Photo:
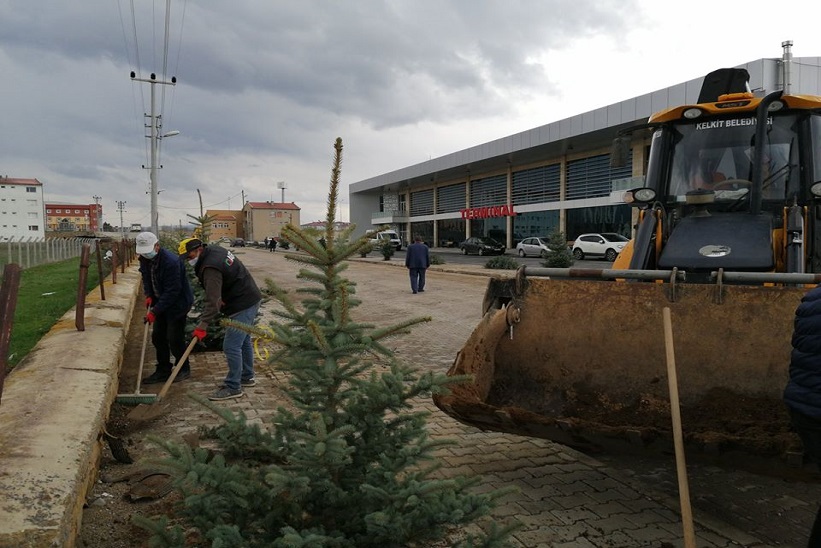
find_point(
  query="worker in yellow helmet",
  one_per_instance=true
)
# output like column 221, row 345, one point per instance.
column 230, row 289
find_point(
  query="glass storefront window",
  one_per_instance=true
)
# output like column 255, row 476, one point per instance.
column 451, row 232
column 535, row 223
column 424, row 229
column 616, row 218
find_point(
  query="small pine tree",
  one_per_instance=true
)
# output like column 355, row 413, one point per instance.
column 387, row 249
column 349, row 463
column 559, row 255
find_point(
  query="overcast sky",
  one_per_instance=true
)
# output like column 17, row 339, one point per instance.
column 264, row 87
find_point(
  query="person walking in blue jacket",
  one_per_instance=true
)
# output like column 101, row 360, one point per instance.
column 168, row 298
column 417, row 260
column 803, row 392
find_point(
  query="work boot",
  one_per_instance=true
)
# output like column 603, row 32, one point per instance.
column 182, row 375
column 157, row 377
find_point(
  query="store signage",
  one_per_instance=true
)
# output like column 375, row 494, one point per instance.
column 488, row 212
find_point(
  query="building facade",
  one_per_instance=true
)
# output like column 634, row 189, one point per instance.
column 555, row 177
column 22, row 213
column 267, row 219
column 63, row 217
column 226, row 223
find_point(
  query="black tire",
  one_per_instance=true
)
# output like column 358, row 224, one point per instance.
column 464, row 251
column 521, row 253
column 610, row 255
column 578, row 254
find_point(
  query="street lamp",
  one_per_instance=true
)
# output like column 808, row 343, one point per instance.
column 282, row 186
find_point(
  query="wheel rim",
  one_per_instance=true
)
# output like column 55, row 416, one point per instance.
column 544, row 254
column 481, row 252
column 464, row 251
column 521, row 253
column 610, row 255
column 578, row 254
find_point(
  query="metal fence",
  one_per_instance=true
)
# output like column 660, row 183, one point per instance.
column 29, row 252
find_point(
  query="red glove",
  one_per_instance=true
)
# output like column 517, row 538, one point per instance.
column 199, row 333
column 148, row 302
column 149, row 318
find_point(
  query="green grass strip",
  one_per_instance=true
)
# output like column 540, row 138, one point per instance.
column 46, row 293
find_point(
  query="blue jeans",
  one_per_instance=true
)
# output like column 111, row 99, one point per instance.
column 238, row 348
column 417, row 279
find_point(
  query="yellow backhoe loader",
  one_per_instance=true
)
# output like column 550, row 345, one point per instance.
column 728, row 236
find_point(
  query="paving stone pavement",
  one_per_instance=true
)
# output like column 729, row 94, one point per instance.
column 563, row 498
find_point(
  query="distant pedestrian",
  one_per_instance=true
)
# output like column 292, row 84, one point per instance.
column 417, row 259
column 803, row 392
column 272, row 244
column 230, row 289
column 168, row 298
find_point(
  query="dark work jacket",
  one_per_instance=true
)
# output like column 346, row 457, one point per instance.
column 803, row 391
column 165, row 281
column 417, row 256
column 239, row 290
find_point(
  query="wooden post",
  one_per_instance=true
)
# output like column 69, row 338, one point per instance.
column 114, row 258
column 8, row 304
column 101, row 273
column 678, row 438
column 80, row 312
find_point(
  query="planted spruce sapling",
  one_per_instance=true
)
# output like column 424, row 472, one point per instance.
column 348, row 462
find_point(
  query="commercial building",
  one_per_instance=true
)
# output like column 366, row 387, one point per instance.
column 267, row 219
column 64, row 217
column 22, row 214
column 555, row 177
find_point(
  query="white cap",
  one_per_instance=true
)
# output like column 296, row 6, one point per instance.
column 145, row 242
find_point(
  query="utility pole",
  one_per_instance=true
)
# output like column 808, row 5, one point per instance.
column 282, row 186
column 121, row 208
column 155, row 125
column 99, row 213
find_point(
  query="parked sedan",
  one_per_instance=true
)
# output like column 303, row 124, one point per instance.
column 605, row 244
column 533, row 246
column 482, row 245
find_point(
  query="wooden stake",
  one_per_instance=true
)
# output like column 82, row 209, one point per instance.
column 678, row 438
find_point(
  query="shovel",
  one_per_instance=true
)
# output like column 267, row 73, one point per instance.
column 145, row 412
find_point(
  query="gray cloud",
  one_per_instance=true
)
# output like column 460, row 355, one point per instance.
column 264, row 88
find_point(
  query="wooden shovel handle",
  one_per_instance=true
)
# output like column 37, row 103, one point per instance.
column 176, row 369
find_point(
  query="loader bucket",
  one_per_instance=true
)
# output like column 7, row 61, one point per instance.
column 582, row 362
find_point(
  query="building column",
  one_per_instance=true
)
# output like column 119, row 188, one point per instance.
column 435, row 241
column 509, row 220
column 638, row 171
column 467, row 206
column 563, row 195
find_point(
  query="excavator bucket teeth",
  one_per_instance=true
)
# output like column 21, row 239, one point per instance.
column 583, row 363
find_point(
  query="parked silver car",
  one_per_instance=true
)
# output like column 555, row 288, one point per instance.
column 533, row 246
column 604, row 244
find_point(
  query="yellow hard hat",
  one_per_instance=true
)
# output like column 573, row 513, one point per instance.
column 188, row 244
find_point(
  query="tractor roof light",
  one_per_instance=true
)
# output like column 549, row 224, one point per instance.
column 815, row 190
column 692, row 113
column 639, row 196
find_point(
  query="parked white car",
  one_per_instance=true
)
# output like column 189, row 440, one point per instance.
column 604, row 244
column 533, row 246
column 378, row 238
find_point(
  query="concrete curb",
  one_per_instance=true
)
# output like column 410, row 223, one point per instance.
column 54, row 406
